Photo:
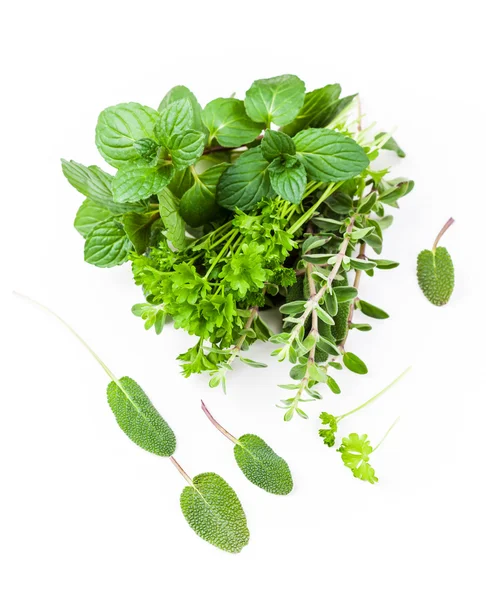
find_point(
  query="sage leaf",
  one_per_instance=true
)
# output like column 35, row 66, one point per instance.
column 329, row 155
column 138, row 418
column 198, row 205
column 107, row 245
column 435, row 274
column 275, row 144
column 245, row 182
column 227, row 121
column 119, row 127
column 214, row 512
column 139, row 181
column 262, row 466
column 276, row 100
column 177, row 117
column 88, row 216
column 181, row 92
column 288, row 179
column 172, row 220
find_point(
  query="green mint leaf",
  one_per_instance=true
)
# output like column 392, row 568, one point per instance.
column 181, row 92
column 227, row 121
column 177, row 117
column 275, row 144
column 146, row 149
column 88, row 216
column 107, row 245
column 391, row 145
column 119, row 127
column 320, row 107
column 435, row 274
column 330, row 156
column 138, row 228
column 198, row 205
column 138, row 181
column 172, row 220
column 288, row 179
column 139, row 419
column 185, row 148
column 214, row 512
column 262, row 466
column 372, row 311
column 354, row 363
column 276, row 100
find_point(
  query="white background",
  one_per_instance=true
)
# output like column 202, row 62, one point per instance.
column 85, row 513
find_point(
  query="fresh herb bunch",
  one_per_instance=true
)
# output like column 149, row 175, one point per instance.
column 223, row 216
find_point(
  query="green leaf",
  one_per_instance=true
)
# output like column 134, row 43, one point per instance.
column 176, row 118
column 359, row 234
column 88, row 216
column 138, row 181
column 360, row 326
column 172, row 220
column 227, row 121
column 153, row 315
column 385, row 264
column 355, row 453
column 366, row 204
column 181, row 92
column 139, row 419
column 293, row 308
column 186, row 148
column 252, row 363
column 119, row 127
column 391, row 144
column 276, row 100
column 330, row 156
column 435, row 274
column 288, row 179
column 146, row 149
column 362, row 265
column 214, row 512
column 107, row 245
column 345, row 293
column 138, row 228
column 372, row 311
column 245, row 182
column 320, row 107
column 354, row 363
column 262, row 466
column 198, row 205
column 396, row 190
column 275, row 144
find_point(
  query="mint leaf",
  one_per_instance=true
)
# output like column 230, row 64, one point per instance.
column 176, row 118
column 181, row 92
column 245, row 182
column 88, row 216
column 198, row 205
column 275, row 144
column 138, row 181
column 330, row 156
column 146, row 149
column 228, row 122
column 107, row 245
column 276, row 100
column 172, row 220
column 288, row 179
column 186, row 148
column 119, row 127
column 137, row 228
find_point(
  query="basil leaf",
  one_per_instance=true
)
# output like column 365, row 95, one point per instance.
column 320, row 107
column 172, row 220
column 107, row 245
column 176, row 118
column 181, row 92
column 214, row 512
column 88, row 216
column 276, row 100
column 288, row 181
column 330, row 156
column 275, row 144
column 245, row 182
column 227, row 121
column 185, row 148
column 119, row 127
column 137, row 228
column 139, row 181
column 138, row 417
column 198, row 205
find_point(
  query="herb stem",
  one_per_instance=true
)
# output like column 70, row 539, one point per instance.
column 181, row 471
column 221, row 254
column 217, row 425
column 357, row 279
column 212, row 149
column 237, row 347
column 332, row 187
column 386, row 434
column 441, row 233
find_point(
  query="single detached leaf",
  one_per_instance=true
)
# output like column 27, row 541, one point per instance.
column 329, row 155
column 227, row 121
column 354, row 363
column 119, row 127
column 138, row 417
column 214, row 512
column 372, row 311
column 245, row 182
column 172, row 220
column 262, row 466
column 198, row 205
column 276, row 100
column 185, row 148
column 275, row 144
column 88, row 216
column 138, row 181
column 177, row 117
column 107, row 245
column 181, row 92
column 355, row 452
column 288, row 179
column 137, row 228
column 435, row 274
